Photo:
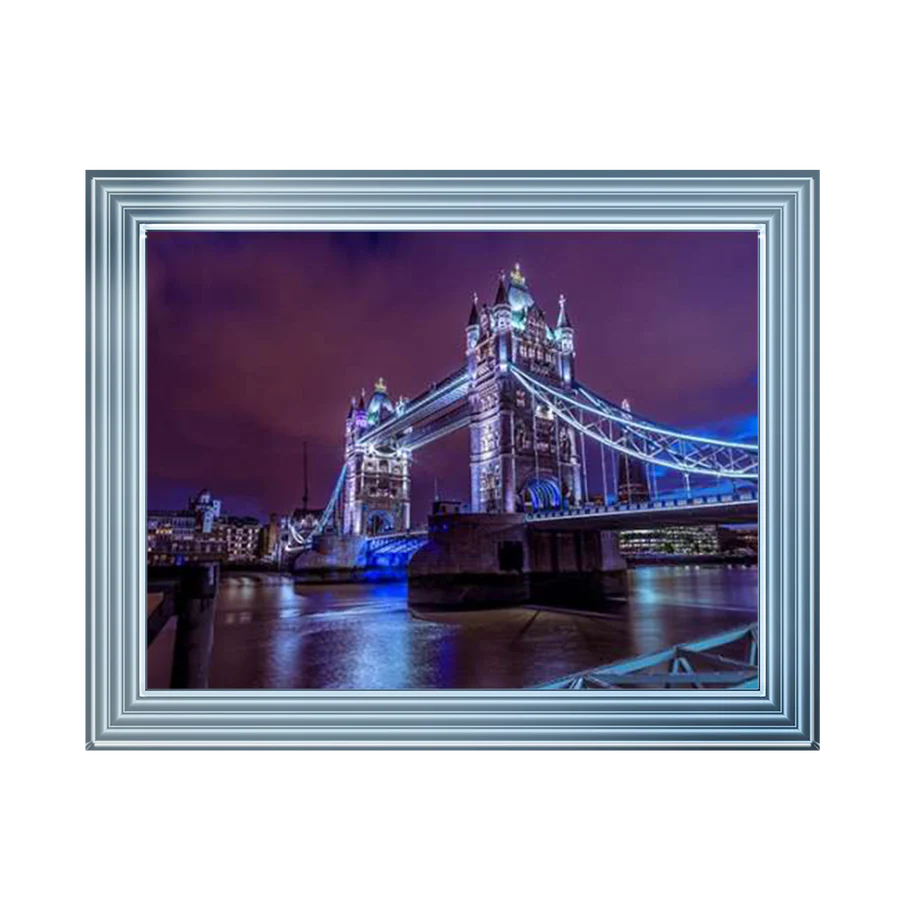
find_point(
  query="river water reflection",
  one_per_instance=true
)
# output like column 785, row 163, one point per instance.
column 270, row 633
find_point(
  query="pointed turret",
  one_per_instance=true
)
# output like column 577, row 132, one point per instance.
column 501, row 299
column 473, row 315
column 473, row 336
column 359, row 415
column 565, row 336
column 563, row 320
column 501, row 323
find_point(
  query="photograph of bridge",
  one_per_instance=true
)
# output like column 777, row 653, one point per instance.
column 392, row 460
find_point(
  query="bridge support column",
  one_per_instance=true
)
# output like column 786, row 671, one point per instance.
column 611, row 557
column 332, row 558
column 614, row 566
column 195, row 607
column 496, row 560
column 575, row 564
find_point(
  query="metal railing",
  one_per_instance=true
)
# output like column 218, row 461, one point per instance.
column 726, row 661
column 600, row 509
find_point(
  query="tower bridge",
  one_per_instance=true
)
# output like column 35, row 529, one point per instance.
column 529, row 421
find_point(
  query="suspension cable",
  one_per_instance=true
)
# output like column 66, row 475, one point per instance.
column 678, row 460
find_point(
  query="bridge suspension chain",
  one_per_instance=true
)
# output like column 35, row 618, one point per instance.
column 327, row 513
column 607, row 424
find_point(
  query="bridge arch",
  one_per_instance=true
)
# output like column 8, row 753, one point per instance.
column 541, row 493
column 379, row 522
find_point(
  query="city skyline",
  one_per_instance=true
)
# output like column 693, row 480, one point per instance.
column 257, row 341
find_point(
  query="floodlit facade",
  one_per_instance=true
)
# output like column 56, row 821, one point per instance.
column 242, row 537
column 376, row 495
column 201, row 533
column 522, row 456
column 176, row 536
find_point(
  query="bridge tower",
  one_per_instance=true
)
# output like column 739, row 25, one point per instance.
column 376, row 488
column 522, row 456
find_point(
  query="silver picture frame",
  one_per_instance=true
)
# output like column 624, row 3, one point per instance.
column 123, row 206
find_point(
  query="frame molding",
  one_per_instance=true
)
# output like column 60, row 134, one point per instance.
column 783, row 207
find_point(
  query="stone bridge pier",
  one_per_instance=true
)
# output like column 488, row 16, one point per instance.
column 487, row 560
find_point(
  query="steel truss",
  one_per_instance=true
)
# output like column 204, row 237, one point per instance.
column 394, row 549
column 622, row 432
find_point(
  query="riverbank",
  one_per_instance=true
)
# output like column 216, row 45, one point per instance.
column 694, row 559
column 350, row 576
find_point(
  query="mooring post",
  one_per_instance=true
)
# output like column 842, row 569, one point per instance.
column 195, row 606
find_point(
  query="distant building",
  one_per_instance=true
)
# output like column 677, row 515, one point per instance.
column 201, row 533
column 170, row 525
column 682, row 540
column 448, row 507
column 274, row 538
column 175, row 536
column 206, row 509
column 241, row 536
column 632, row 484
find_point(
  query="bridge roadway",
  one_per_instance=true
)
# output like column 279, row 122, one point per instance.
column 723, row 509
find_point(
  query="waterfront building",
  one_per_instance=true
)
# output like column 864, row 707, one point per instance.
column 169, row 525
column 241, row 536
column 175, row 537
column 684, row 540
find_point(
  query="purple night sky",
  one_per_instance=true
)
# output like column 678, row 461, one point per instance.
column 256, row 341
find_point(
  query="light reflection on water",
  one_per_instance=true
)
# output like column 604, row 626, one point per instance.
column 270, row 634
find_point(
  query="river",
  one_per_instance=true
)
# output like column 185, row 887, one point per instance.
column 270, row 633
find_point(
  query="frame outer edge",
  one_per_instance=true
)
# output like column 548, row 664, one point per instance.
column 113, row 382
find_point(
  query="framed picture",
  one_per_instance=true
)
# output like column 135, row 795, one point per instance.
column 452, row 459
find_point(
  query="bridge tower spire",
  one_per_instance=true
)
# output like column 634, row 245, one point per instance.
column 473, row 336
column 565, row 336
